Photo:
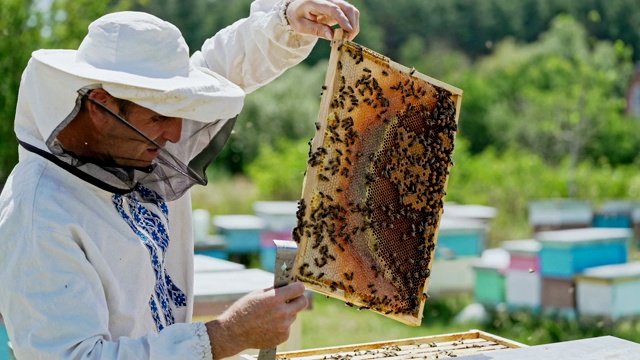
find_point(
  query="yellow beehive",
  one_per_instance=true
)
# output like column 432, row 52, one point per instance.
column 375, row 183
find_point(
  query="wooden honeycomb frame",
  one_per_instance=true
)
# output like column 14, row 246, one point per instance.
column 375, row 183
column 445, row 346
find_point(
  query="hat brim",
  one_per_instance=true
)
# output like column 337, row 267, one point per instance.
column 203, row 95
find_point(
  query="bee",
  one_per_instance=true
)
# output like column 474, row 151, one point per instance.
column 385, row 73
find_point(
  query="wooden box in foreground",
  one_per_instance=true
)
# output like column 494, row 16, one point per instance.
column 375, row 183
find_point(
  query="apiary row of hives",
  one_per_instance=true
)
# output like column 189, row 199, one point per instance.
column 375, row 183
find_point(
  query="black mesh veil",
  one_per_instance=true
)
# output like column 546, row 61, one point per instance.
column 175, row 170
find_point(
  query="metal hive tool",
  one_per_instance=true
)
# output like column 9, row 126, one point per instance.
column 375, row 183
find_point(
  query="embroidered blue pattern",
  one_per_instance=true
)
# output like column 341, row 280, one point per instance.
column 151, row 227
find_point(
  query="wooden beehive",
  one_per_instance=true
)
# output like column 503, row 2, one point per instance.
column 610, row 291
column 375, row 183
column 471, row 342
column 565, row 253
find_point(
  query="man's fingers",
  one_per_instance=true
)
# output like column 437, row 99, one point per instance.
column 352, row 16
column 290, row 291
column 315, row 17
column 300, row 303
column 317, row 29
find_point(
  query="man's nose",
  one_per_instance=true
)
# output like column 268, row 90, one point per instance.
column 173, row 129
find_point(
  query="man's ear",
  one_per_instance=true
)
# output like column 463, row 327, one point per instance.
column 97, row 114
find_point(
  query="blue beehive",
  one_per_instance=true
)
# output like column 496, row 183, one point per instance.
column 277, row 215
column 241, row 232
column 635, row 220
column 4, row 342
column 204, row 242
column 565, row 253
column 279, row 220
column 460, row 238
column 471, row 211
column 615, row 214
column 558, row 214
column 610, row 291
column 213, row 245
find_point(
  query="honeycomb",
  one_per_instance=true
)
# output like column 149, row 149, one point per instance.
column 375, row 183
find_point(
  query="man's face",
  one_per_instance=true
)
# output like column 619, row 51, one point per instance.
column 124, row 146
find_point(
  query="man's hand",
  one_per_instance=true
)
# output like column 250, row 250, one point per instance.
column 259, row 320
column 316, row 17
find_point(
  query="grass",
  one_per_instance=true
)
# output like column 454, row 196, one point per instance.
column 225, row 194
column 331, row 323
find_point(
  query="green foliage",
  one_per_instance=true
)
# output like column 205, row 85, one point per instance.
column 440, row 39
column 278, row 172
column 65, row 23
column 198, row 20
column 508, row 180
column 286, row 108
column 225, row 194
column 475, row 26
column 440, row 61
column 16, row 30
column 533, row 328
column 26, row 26
column 330, row 323
column 560, row 98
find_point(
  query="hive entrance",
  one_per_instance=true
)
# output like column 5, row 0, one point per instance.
column 375, row 183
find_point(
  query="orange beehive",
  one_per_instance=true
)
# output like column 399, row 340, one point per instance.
column 375, row 183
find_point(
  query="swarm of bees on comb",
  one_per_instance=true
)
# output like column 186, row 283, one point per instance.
column 375, row 183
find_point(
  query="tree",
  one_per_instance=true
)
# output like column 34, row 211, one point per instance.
column 285, row 109
column 197, row 19
column 16, row 29
column 556, row 95
column 25, row 26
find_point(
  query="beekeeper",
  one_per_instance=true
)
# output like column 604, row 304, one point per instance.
column 96, row 250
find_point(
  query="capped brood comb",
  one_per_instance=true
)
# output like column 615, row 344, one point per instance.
column 375, row 183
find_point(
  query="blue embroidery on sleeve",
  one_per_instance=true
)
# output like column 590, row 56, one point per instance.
column 152, row 231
